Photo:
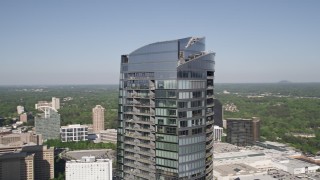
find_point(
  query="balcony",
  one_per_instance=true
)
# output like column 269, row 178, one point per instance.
column 145, row 122
column 209, row 130
column 209, row 154
column 209, row 87
column 138, row 151
column 209, row 138
column 210, row 105
column 136, row 172
column 209, row 145
column 210, row 96
column 142, row 113
column 209, row 176
column 209, row 162
column 209, row 122
column 209, row 169
column 138, row 128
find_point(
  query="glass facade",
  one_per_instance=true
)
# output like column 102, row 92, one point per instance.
column 48, row 124
column 165, row 111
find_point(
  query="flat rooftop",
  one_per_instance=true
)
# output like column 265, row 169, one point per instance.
column 294, row 163
column 99, row 154
column 235, row 169
column 221, row 147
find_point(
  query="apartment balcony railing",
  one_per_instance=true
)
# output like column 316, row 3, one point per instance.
column 210, row 96
column 209, row 122
column 209, row 176
column 139, row 174
column 210, row 105
column 139, row 129
column 130, row 164
column 209, row 130
column 208, row 170
column 210, row 138
column 144, row 113
column 138, row 143
column 149, row 145
column 130, row 142
column 209, row 154
column 144, row 167
column 209, row 87
column 145, row 122
column 138, row 151
column 208, row 146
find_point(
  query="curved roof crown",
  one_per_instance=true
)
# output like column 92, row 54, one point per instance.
column 185, row 44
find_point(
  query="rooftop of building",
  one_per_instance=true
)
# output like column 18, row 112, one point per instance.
column 109, row 131
column 238, row 119
column 74, row 126
column 221, row 147
column 277, row 144
column 294, row 163
column 99, row 154
column 217, row 127
column 239, row 154
column 89, row 159
column 235, row 169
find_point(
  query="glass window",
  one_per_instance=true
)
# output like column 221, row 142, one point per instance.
column 183, row 123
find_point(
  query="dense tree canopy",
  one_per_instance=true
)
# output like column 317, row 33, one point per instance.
column 283, row 108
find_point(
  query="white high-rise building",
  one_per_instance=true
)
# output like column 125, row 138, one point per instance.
column 20, row 109
column 89, row 168
column 74, row 132
column 55, row 103
column 217, row 133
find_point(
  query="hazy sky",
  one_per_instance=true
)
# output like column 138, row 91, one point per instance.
column 80, row 42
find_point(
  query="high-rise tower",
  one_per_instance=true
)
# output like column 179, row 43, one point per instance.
column 166, row 111
column 98, row 118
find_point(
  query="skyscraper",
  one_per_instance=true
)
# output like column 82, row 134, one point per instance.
column 166, row 111
column 243, row 132
column 218, row 113
column 98, row 118
column 48, row 123
column 55, row 103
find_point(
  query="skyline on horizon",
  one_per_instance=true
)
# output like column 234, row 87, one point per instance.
column 77, row 42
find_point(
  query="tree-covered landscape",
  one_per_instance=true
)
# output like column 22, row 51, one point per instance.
column 77, row 110
column 285, row 109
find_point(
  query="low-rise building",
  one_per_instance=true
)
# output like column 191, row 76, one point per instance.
column 89, row 168
column 109, row 135
column 19, row 139
column 217, row 133
column 294, row 166
column 74, row 132
column 240, row 171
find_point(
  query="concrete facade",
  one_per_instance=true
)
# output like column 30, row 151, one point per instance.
column 89, row 168
column 98, row 118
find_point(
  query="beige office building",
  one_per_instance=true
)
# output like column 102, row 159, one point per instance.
column 23, row 117
column 98, row 118
column 18, row 165
column 27, row 162
column 109, row 135
column 19, row 139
